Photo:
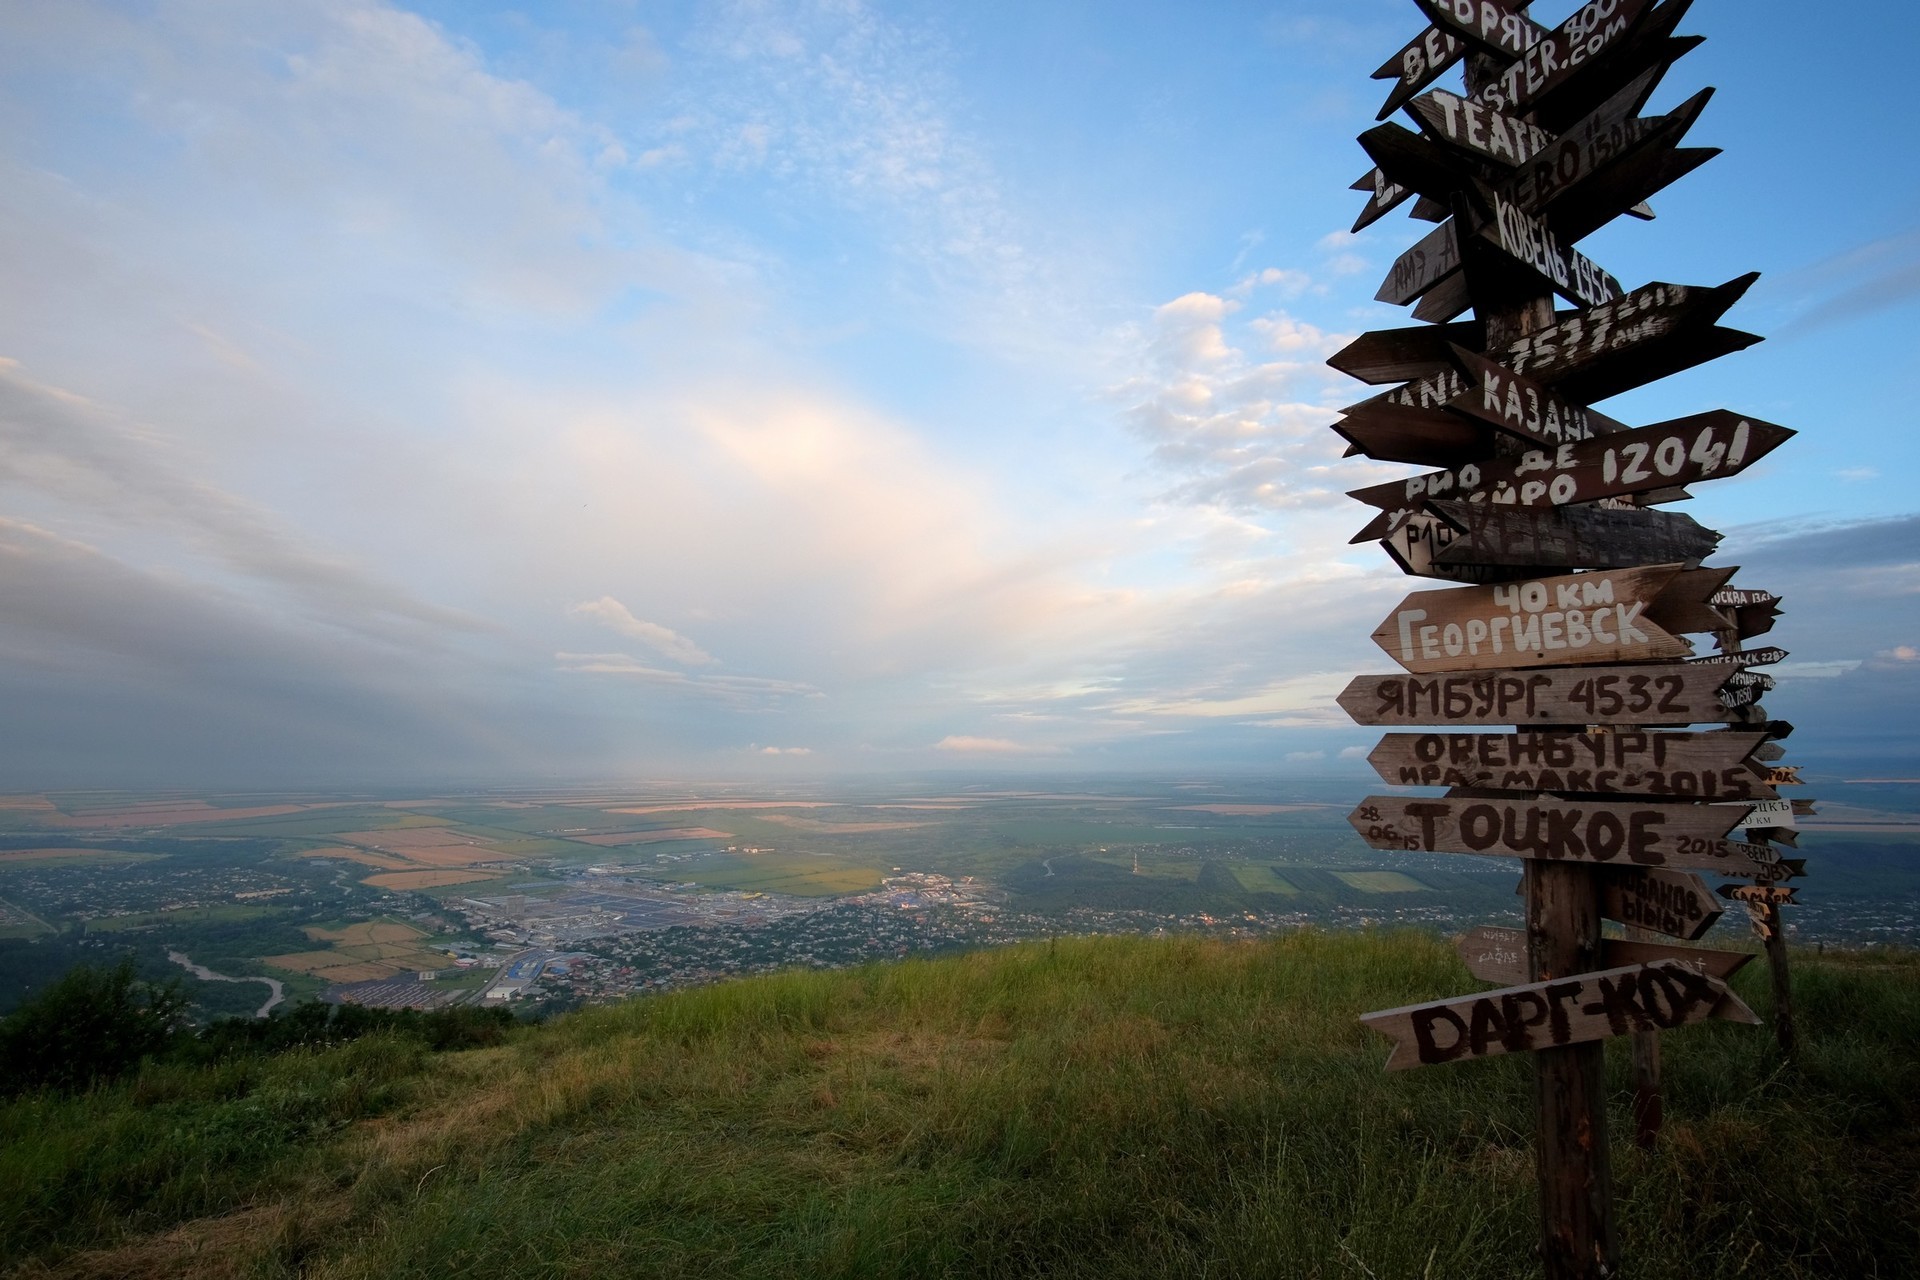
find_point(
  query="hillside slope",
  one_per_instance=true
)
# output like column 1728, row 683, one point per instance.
column 1097, row 1107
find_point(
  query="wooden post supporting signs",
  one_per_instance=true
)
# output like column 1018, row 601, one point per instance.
column 1581, row 592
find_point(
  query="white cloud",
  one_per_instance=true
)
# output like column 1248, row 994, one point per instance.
column 1301, row 757
column 1354, row 753
column 963, row 744
column 783, row 751
column 610, row 613
column 1903, row 653
column 1815, row 670
column 741, row 691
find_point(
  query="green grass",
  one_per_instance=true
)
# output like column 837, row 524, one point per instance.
column 1264, row 880
column 224, row 914
column 1087, row 1107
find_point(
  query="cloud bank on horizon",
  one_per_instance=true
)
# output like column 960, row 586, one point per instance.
column 405, row 392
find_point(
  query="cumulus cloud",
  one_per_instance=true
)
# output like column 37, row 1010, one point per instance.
column 610, row 613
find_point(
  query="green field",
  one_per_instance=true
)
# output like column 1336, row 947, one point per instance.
column 1264, row 880
column 224, row 914
column 1382, row 881
column 802, row 875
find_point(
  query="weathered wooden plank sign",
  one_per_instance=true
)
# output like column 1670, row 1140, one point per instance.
column 1420, row 268
column 1574, row 46
column 1645, row 695
column 1531, row 243
column 1517, row 404
column 1692, row 766
column 1540, row 1015
column 1684, row 451
column 1480, row 131
column 1745, row 657
column 1675, row 903
column 1383, row 197
column 1783, row 775
column 1488, row 23
column 1610, row 616
column 1642, row 833
column 1423, row 60
column 1771, row 895
column 1737, row 598
column 1499, row 956
column 1588, row 537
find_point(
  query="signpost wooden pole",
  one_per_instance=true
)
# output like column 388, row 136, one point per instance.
column 1570, row 638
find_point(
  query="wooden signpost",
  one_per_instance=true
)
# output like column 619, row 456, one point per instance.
column 1567, row 643
column 1499, row 956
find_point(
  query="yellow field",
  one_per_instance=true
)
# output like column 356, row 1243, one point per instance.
column 608, row 839
column 42, row 855
column 180, row 813
column 689, row 806
column 427, row 879
column 817, row 827
column 360, row 935
column 361, row 856
column 27, row 804
column 362, row 953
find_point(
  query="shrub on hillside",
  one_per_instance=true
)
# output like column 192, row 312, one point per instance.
column 89, row 1025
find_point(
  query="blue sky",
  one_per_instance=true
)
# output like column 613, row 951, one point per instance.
column 463, row 390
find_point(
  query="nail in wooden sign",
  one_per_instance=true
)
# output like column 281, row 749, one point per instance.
column 1675, row 903
column 1687, row 766
column 1619, row 615
column 1532, row 244
column 1687, row 450
column 1499, row 956
column 1767, row 895
column 1484, row 533
column 1541, row 1015
column 1644, row 833
column 1645, row 695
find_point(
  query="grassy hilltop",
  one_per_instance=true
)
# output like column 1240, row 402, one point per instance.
column 1097, row 1107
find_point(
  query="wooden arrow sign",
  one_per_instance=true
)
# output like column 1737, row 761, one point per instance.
column 1529, row 242
column 1685, row 451
column 1522, row 407
column 1568, row 537
column 1753, row 620
column 1645, row 833
column 1609, row 136
column 1736, row 598
column 1480, row 131
column 1783, row 775
column 1541, row 1015
column 1698, row 766
column 1487, row 23
column 1383, row 197
column 1746, row 657
column 1571, row 48
column 1615, row 615
column 1676, row 903
column 1420, row 268
column 1425, row 59
column 1424, row 437
column 1590, row 355
column 1645, row 695
column 1770, row 895
column 1499, row 956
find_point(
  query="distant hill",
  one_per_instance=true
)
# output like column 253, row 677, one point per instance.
column 1084, row 1107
